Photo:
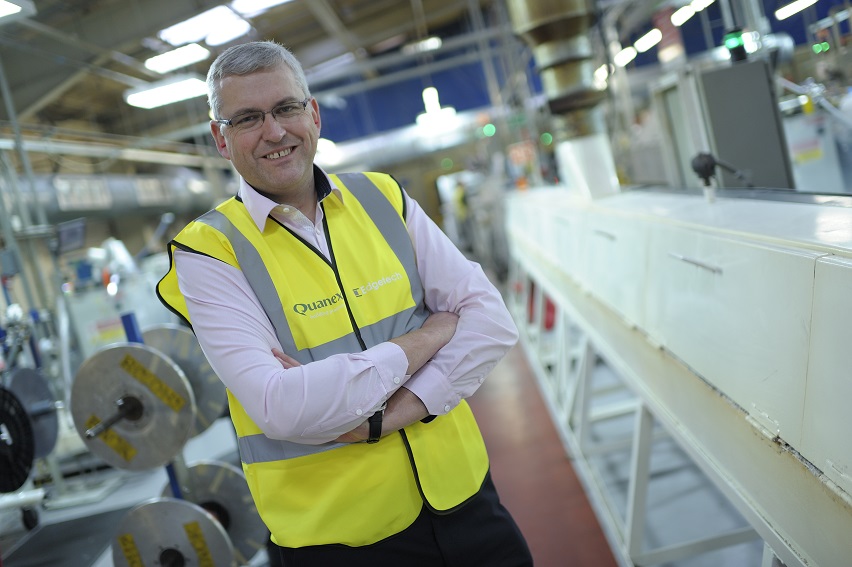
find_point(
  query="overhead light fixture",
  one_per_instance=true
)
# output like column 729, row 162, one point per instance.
column 785, row 12
column 173, row 90
column 217, row 23
column 422, row 46
column 625, row 56
column 177, row 58
column 10, row 11
column 682, row 15
column 252, row 8
column 223, row 35
column 328, row 153
column 648, row 40
column 8, row 8
column 699, row 5
column 436, row 119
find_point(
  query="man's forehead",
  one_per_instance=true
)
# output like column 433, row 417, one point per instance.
column 258, row 87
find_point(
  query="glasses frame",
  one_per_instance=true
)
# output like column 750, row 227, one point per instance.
column 230, row 121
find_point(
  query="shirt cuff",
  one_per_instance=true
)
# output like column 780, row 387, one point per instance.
column 434, row 390
column 391, row 364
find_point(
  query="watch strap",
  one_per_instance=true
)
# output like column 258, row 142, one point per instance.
column 375, row 422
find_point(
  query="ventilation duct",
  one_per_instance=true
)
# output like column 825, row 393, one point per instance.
column 65, row 197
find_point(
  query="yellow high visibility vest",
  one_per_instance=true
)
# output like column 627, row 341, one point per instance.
column 370, row 292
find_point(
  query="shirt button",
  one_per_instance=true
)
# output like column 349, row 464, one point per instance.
column 447, row 407
column 285, row 209
column 481, row 380
column 396, row 380
column 358, row 412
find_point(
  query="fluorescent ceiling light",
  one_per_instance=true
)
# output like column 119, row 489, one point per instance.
column 428, row 44
column 11, row 11
column 785, row 12
column 435, row 114
column 8, row 8
column 166, row 92
column 214, row 22
column 625, row 56
column 699, row 5
column 251, row 8
column 648, row 40
column 224, row 34
column 177, row 58
column 682, row 15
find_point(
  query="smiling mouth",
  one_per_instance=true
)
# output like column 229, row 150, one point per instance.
column 280, row 154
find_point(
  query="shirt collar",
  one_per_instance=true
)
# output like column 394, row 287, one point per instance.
column 259, row 206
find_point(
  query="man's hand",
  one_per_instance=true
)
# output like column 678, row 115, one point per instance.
column 285, row 360
column 404, row 408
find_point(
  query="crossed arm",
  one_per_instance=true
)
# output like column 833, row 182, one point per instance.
column 419, row 346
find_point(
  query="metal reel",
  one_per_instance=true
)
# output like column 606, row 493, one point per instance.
column 132, row 406
column 169, row 531
column 221, row 489
column 17, row 446
column 33, row 391
column 180, row 344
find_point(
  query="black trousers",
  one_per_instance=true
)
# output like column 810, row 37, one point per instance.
column 480, row 534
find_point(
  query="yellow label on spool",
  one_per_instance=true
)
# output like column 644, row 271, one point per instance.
column 152, row 382
column 199, row 544
column 128, row 548
column 113, row 440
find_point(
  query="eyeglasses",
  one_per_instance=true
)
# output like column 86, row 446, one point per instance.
column 252, row 120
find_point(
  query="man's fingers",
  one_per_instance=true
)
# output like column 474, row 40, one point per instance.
column 285, row 360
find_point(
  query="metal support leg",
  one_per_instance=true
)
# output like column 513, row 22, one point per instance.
column 638, row 490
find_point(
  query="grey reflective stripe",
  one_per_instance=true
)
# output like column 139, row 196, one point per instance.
column 389, row 223
column 260, row 281
column 261, row 449
column 394, row 326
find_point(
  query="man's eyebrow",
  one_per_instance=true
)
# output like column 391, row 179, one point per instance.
column 286, row 100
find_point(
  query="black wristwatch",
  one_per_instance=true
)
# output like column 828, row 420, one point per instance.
column 375, row 422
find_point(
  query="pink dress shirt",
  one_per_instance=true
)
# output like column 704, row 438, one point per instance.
column 317, row 402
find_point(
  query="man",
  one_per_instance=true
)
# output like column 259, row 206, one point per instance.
column 348, row 331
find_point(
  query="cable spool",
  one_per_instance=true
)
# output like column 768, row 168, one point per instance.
column 221, row 489
column 33, row 391
column 180, row 344
column 132, row 406
column 17, row 442
column 168, row 531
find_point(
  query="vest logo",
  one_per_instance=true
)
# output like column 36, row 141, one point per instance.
column 320, row 307
column 373, row 286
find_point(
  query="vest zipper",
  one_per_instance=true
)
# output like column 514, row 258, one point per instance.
column 333, row 264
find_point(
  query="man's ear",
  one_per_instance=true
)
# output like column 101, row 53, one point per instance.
column 315, row 114
column 219, row 138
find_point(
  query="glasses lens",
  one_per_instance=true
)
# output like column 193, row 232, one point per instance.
column 247, row 120
column 288, row 111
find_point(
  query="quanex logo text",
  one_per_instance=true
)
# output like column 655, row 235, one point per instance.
column 322, row 304
column 373, row 286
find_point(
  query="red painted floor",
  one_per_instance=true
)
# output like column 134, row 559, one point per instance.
column 532, row 472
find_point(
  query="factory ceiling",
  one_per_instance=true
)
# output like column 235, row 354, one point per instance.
column 68, row 65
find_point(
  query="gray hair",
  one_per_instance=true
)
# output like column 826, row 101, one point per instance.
column 248, row 58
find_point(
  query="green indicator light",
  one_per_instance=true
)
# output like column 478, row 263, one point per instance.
column 825, row 46
column 817, row 47
column 546, row 138
column 489, row 130
column 447, row 163
column 732, row 42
